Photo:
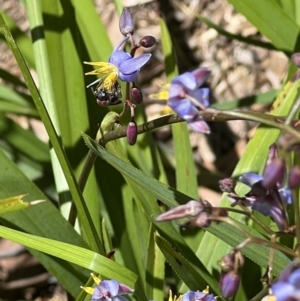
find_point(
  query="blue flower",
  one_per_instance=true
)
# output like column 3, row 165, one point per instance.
column 198, row 296
column 267, row 201
column 186, row 98
column 120, row 64
column 107, row 290
column 287, row 288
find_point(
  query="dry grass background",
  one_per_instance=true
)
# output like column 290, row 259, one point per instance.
column 238, row 70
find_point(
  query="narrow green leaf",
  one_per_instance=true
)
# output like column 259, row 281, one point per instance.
column 180, row 264
column 172, row 197
column 155, row 269
column 264, row 15
column 77, row 255
column 56, row 143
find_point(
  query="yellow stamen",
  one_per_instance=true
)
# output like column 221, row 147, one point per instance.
column 89, row 290
column 162, row 95
column 166, row 110
column 96, row 279
column 110, row 80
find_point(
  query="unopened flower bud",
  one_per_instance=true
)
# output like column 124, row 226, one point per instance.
column 190, row 209
column 131, row 132
column 274, row 173
column 126, row 23
column 227, row 263
column 296, row 59
column 272, row 153
column 227, row 185
column 147, row 41
column 294, row 177
column 137, row 95
column 203, row 220
column 229, row 284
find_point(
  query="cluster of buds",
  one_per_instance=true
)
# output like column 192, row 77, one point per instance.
column 231, row 265
column 199, row 213
column 267, row 194
column 124, row 66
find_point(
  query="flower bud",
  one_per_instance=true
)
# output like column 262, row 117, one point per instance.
column 229, row 284
column 203, row 220
column 137, row 95
column 126, row 23
column 227, row 262
column 272, row 153
column 131, row 132
column 227, row 185
column 296, row 59
column 294, row 177
column 147, row 41
column 190, row 209
column 274, row 173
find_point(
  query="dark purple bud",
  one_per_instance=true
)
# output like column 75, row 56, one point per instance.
column 131, row 132
column 126, row 23
column 227, row 185
column 296, row 59
column 137, row 95
column 147, row 41
column 273, row 153
column 203, row 220
column 227, row 263
column 229, row 284
column 191, row 209
column 274, row 173
column 294, row 177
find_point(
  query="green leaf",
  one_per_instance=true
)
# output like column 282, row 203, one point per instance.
column 77, row 255
column 155, row 269
column 172, row 197
column 56, row 143
column 264, row 15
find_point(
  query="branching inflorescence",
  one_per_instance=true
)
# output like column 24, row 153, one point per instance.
column 269, row 193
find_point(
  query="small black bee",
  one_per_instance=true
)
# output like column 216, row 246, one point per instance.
column 107, row 97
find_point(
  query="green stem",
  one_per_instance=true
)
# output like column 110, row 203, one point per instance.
column 207, row 115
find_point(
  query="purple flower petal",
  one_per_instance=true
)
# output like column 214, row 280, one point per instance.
column 185, row 109
column 202, row 95
column 176, row 93
column 263, row 205
column 124, row 289
column 201, row 75
column 200, row 126
column 283, row 291
column 286, row 196
column 134, row 64
column 128, row 78
column 119, row 298
column 187, row 80
column 294, row 279
column 119, row 56
column 250, row 178
column 193, row 296
column 110, row 286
